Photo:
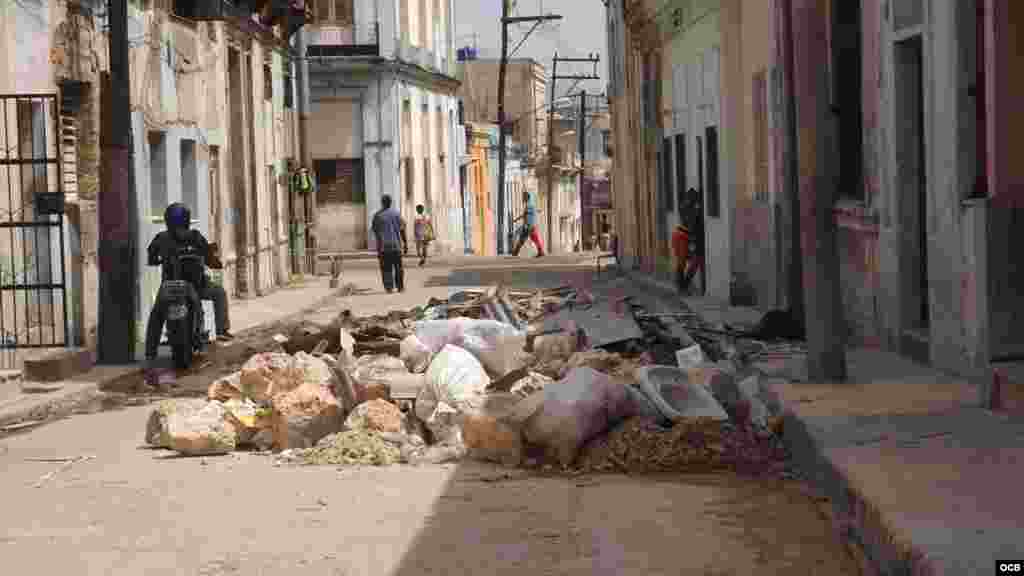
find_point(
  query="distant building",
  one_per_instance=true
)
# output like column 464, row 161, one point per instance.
column 383, row 118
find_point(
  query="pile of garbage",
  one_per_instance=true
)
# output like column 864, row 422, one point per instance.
column 551, row 377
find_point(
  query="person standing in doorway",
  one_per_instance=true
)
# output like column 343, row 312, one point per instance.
column 696, row 217
column 529, row 228
column 389, row 230
column 423, row 232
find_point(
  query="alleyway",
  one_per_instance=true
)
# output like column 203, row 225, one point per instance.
column 132, row 510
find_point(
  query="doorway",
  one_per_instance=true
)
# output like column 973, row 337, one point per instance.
column 912, row 179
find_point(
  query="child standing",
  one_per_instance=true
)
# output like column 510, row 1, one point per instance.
column 681, row 252
column 423, row 231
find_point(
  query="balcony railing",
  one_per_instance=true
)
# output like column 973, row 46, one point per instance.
column 343, row 40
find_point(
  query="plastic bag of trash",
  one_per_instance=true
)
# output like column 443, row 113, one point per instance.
column 497, row 345
column 500, row 347
column 376, row 415
column 415, row 354
column 455, row 382
column 583, row 405
column 491, row 432
column 558, row 346
column 372, row 376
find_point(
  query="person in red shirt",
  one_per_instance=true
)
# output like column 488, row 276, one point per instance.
column 681, row 253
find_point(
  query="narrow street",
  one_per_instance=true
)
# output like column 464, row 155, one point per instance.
column 124, row 508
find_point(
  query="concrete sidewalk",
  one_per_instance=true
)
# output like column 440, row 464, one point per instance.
column 17, row 406
column 921, row 477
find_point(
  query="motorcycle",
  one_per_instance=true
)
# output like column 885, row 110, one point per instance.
column 184, row 322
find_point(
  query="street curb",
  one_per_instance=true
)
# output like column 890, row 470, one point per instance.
column 56, row 405
column 856, row 518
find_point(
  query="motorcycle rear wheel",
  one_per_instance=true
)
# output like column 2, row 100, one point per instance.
column 181, row 344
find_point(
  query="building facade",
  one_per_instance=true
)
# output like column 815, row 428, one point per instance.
column 383, row 117
column 870, row 143
column 526, row 109
column 211, row 125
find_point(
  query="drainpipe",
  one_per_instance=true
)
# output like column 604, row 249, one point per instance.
column 304, row 147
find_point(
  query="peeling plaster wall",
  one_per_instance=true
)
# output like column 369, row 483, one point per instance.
column 179, row 83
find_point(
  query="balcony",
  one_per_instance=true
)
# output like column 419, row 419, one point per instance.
column 343, row 40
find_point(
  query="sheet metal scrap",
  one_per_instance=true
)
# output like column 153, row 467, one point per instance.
column 604, row 322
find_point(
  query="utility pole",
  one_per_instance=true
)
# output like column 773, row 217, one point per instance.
column 506, row 20
column 825, row 325
column 583, row 150
column 118, row 211
column 306, row 152
column 592, row 59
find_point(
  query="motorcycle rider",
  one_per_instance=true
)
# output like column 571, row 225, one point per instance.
column 179, row 237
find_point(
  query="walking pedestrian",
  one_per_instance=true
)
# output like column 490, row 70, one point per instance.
column 389, row 229
column 529, row 228
column 423, row 232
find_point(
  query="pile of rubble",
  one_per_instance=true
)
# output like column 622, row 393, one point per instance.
column 551, row 377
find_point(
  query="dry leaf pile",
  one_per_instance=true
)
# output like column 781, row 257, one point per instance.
column 354, row 447
column 640, row 445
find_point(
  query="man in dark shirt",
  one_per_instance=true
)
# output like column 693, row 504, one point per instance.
column 179, row 238
column 389, row 230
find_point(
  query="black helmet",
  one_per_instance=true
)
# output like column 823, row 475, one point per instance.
column 177, row 215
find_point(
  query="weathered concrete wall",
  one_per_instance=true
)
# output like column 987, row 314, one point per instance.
column 525, row 98
column 697, row 61
column 1005, row 54
column 342, row 227
column 746, row 56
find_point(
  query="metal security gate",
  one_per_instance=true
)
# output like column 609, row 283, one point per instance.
column 33, row 289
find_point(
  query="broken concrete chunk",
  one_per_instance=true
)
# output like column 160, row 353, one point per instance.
column 304, row 415
column 490, row 439
column 267, row 374
column 226, row 388
column 376, row 415
column 156, row 425
column 204, row 433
